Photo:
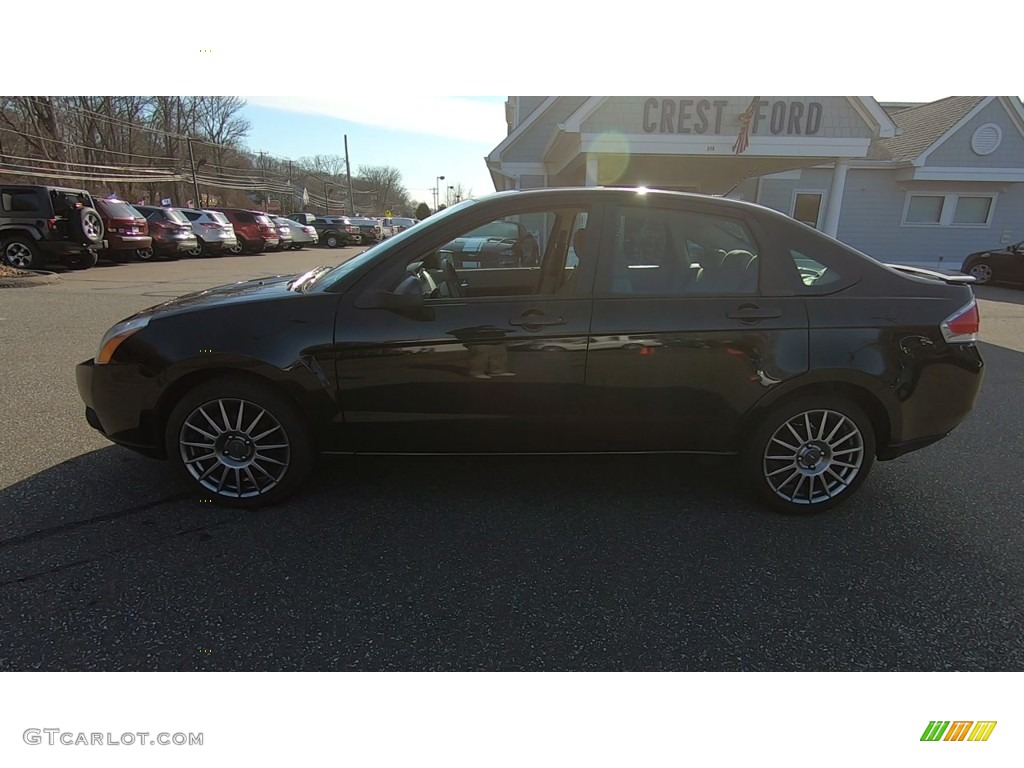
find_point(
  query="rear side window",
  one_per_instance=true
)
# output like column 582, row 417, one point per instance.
column 20, row 200
column 245, row 218
column 819, row 265
column 670, row 252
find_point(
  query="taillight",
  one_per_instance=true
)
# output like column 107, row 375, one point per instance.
column 51, row 223
column 963, row 325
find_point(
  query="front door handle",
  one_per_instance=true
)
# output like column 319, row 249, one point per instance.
column 750, row 313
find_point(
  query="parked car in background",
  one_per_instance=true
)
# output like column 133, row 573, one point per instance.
column 496, row 244
column 171, row 232
column 332, row 231
column 302, row 234
column 284, row 233
column 126, row 229
column 369, row 229
column 999, row 265
column 214, row 233
column 400, row 224
column 254, row 230
column 716, row 326
column 41, row 224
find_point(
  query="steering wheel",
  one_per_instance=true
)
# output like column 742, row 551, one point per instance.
column 451, row 277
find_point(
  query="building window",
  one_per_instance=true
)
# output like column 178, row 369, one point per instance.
column 948, row 210
column 924, row 209
column 807, row 208
column 972, row 210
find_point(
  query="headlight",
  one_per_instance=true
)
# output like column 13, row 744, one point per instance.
column 112, row 339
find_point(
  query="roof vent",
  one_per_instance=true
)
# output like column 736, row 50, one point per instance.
column 986, row 139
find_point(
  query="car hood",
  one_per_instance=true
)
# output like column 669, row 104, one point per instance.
column 247, row 291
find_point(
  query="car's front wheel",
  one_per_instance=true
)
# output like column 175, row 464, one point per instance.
column 982, row 272
column 240, row 442
column 238, row 248
column 332, row 240
column 810, row 454
column 199, row 250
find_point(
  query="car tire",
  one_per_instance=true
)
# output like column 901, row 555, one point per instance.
column 145, row 254
column 199, row 251
column 810, row 453
column 982, row 272
column 240, row 442
column 238, row 248
column 84, row 260
column 332, row 240
column 22, row 253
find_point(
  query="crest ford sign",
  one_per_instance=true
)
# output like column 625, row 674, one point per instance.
column 793, row 117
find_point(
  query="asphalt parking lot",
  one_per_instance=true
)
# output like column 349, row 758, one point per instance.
column 107, row 562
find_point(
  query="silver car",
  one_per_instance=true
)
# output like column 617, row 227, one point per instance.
column 214, row 233
column 302, row 234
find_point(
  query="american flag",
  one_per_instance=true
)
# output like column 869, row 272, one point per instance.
column 743, row 139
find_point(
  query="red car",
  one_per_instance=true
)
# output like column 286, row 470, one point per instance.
column 254, row 230
column 127, row 230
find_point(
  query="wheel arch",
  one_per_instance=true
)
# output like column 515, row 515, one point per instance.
column 882, row 420
column 181, row 386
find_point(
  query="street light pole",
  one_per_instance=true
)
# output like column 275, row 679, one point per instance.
column 437, row 193
column 195, row 179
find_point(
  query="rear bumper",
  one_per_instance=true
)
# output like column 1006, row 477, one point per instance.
column 128, row 242
column 176, row 246
column 59, row 248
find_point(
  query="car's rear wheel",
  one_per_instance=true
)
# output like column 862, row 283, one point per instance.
column 22, row 253
column 810, row 454
column 240, row 442
column 982, row 272
column 84, row 260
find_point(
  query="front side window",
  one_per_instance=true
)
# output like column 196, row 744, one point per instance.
column 660, row 251
column 526, row 254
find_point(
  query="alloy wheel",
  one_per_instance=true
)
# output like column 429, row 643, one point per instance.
column 981, row 272
column 92, row 225
column 813, row 457
column 234, row 448
column 18, row 255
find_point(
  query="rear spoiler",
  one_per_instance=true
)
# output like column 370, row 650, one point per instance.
column 954, row 278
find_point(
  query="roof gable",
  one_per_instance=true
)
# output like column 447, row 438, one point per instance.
column 921, row 127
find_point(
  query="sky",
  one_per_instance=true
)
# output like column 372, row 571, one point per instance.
column 422, row 136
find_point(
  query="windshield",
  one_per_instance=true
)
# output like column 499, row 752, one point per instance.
column 347, row 267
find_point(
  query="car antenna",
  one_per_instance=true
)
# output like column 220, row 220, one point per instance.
column 744, row 178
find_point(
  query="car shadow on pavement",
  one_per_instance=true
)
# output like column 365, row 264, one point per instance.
column 1001, row 293
column 109, row 562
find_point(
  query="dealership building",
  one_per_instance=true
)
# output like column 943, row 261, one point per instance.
column 903, row 182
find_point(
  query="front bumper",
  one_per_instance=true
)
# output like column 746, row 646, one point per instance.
column 118, row 404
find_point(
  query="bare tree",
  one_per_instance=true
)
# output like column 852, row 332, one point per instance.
column 461, row 192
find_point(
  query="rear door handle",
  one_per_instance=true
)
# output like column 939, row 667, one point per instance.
column 530, row 322
column 752, row 312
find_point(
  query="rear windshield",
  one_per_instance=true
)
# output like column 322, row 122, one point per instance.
column 217, row 216
column 173, row 215
column 119, row 210
column 264, row 221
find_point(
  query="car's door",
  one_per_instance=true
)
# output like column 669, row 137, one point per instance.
column 1015, row 263
column 684, row 338
column 441, row 360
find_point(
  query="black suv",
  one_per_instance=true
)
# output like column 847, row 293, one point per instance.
column 43, row 224
column 333, row 231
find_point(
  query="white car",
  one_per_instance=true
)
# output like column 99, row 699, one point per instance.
column 302, row 234
column 214, row 233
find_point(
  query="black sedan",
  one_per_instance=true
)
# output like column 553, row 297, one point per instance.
column 653, row 321
column 1001, row 265
column 496, row 244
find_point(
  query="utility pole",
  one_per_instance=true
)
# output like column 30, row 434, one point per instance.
column 291, row 190
column 348, row 173
column 327, row 206
column 195, row 181
column 263, row 170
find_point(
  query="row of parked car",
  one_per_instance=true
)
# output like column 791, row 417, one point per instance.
column 40, row 225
